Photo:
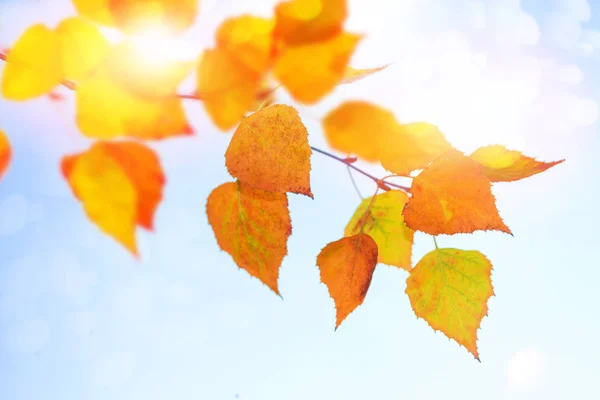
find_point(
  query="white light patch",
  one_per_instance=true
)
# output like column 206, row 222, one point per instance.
column 526, row 368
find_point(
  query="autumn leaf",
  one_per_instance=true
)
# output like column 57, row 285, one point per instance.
column 452, row 196
column 381, row 218
column 353, row 74
column 360, row 128
column 413, row 147
column 311, row 71
column 449, row 288
column 347, row 267
column 270, row 151
column 120, row 185
column 82, row 47
column 502, row 165
column 5, row 153
column 307, row 21
column 249, row 39
column 227, row 87
column 106, row 110
column 33, row 68
column 252, row 226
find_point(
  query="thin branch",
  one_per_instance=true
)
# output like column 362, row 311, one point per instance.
column 354, row 183
column 374, row 178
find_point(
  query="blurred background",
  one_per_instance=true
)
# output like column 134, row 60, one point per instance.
column 81, row 319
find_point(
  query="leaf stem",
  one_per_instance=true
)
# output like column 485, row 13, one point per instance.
column 374, row 178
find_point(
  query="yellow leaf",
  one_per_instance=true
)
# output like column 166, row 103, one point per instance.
column 253, row 227
column 270, row 151
column 449, row 288
column 452, row 196
column 83, row 47
column 503, row 165
column 227, row 87
column 360, row 128
column 135, row 16
column 313, row 70
column 33, row 65
column 413, row 147
column 5, row 153
column 347, row 267
column 353, row 74
column 249, row 39
column 120, row 185
column 127, row 65
column 105, row 110
column 96, row 10
column 384, row 222
column 306, row 21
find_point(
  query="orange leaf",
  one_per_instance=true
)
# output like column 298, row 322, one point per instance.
column 382, row 219
column 135, row 16
column 449, row 288
column 502, row 165
column 82, row 47
column 249, row 39
column 311, row 71
column 120, row 185
column 5, row 153
column 347, row 267
column 305, row 21
column 270, row 151
column 353, row 74
column 452, row 196
column 413, row 147
column 252, row 226
column 32, row 66
column 228, row 88
column 360, row 128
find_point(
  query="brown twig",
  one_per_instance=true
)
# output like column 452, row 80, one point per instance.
column 380, row 182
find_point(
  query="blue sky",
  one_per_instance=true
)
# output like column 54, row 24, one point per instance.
column 80, row 319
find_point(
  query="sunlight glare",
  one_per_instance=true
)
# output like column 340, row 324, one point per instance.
column 155, row 46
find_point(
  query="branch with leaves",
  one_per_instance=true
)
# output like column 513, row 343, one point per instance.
column 120, row 183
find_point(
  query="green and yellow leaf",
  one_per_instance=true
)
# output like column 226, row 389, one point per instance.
column 450, row 288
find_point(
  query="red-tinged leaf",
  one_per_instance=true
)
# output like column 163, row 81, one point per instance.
column 5, row 153
column 270, row 151
column 503, row 165
column 120, row 185
column 451, row 196
column 450, row 288
column 347, row 267
column 252, row 226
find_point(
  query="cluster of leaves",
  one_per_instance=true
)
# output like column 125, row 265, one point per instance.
column 121, row 101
